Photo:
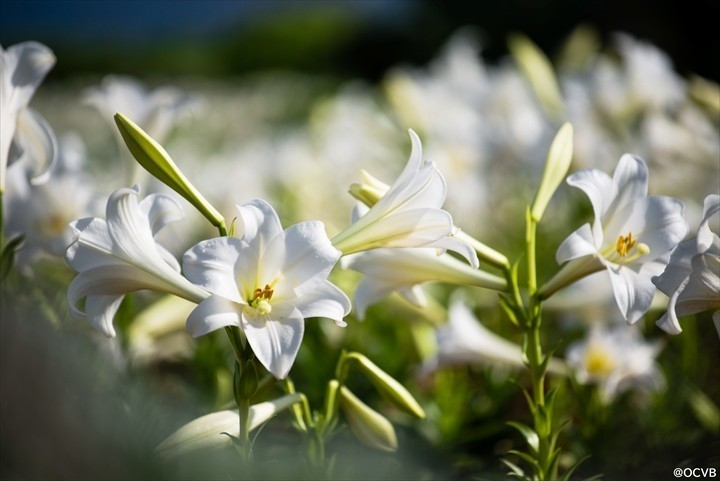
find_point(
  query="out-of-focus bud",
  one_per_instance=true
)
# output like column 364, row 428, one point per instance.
column 539, row 72
column 389, row 386
column 212, row 430
column 245, row 381
column 369, row 427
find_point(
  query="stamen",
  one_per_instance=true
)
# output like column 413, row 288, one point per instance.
column 261, row 299
column 264, row 293
column 624, row 244
column 625, row 250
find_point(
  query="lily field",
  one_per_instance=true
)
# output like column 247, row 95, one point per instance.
column 463, row 269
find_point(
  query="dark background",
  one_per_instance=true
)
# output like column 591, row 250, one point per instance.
column 342, row 38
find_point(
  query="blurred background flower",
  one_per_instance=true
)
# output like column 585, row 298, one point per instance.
column 291, row 100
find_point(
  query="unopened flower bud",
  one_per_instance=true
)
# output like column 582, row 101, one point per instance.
column 390, row 387
column 245, row 381
column 369, row 427
column 155, row 159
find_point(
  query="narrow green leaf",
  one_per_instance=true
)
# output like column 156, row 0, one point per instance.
column 527, row 458
column 516, row 470
column 507, row 306
column 7, row 257
column 569, row 472
column 705, row 410
column 528, row 433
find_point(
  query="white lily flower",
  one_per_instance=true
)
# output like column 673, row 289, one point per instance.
column 266, row 282
column 692, row 278
column 408, row 214
column 404, row 269
column 42, row 212
column 119, row 255
column 465, row 340
column 212, row 430
column 155, row 111
column 631, row 237
column 618, row 360
column 23, row 133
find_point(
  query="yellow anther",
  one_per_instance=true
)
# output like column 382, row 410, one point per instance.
column 261, row 299
column 264, row 293
column 624, row 244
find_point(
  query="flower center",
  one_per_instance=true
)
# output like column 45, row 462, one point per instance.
column 54, row 224
column 624, row 244
column 626, row 249
column 261, row 299
column 598, row 362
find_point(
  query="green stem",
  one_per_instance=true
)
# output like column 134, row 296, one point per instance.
column 530, row 231
column 542, row 419
column 485, row 253
column 2, row 220
column 244, row 411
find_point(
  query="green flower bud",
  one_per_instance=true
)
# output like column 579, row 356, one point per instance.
column 245, row 381
column 155, row 159
column 370, row 190
column 368, row 426
column 556, row 168
column 389, row 386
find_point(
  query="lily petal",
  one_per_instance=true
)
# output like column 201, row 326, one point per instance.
column 257, row 219
column 213, row 313
column 37, row 146
column 210, row 264
column 633, row 293
column 275, row 341
column 600, row 189
column 578, row 244
column 631, row 180
column 309, row 253
column 324, row 300
column 101, row 311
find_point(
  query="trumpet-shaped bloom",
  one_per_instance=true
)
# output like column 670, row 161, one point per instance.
column 404, row 269
column 617, row 360
column 119, row 255
column 692, row 278
column 631, row 236
column 156, row 111
column 464, row 340
column 23, row 133
column 408, row 214
column 42, row 212
column 211, row 430
column 266, row 282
